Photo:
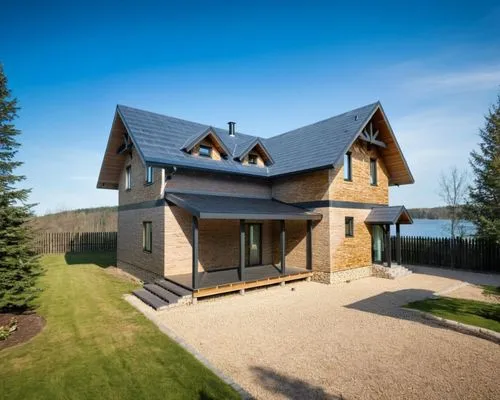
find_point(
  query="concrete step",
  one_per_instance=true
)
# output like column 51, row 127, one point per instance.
column 150, row 299
column 172, row 287
column 165, row 295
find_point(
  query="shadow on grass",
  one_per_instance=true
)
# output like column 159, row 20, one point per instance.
column 289, row 387
column 101, row 259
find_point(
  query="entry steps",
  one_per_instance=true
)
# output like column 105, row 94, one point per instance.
column 163, row 294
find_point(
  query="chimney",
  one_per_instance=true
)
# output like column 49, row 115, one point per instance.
column 231, row 128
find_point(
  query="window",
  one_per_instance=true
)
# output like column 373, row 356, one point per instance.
column 205, row 151
column 373, row 171
column 349, row 226
column 149, row 175
column 128, row 178
column 252, row 159
column 347, row 167
column 147, row 236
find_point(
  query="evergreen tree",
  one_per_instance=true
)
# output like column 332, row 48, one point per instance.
column 18, row 262
column 484, row 205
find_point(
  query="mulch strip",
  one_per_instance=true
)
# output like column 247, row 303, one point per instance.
column 28, row 326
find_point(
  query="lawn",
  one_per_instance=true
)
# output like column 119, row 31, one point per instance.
column 478, row 313
column 96, row 346
column 491, row 290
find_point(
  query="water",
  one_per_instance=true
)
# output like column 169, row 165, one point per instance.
column 431, row 228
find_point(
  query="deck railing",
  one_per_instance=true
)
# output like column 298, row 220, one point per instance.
column 461, row 253
column 74, row 242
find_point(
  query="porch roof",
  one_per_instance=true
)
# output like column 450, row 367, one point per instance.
column 206, row 206
column 389, row 215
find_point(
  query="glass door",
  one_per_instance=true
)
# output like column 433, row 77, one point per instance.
column 377, row 244
column 254, row 244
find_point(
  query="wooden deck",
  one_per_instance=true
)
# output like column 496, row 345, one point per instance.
column 227, row 280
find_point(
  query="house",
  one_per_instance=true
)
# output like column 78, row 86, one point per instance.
column 214, row 210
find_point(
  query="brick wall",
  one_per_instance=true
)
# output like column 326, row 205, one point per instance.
column 220, row 183
column 359, row 189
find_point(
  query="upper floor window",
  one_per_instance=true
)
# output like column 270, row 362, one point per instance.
column 347, row 167
column 349, row 226
column 252, row 159
column 373, row 171
column 149, row 175
column 205, row 151
column 128, row 178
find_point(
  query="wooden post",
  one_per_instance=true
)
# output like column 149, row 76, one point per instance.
column 388, row 249
column 195, row 277
column 282, row 247
column 309, row 245
column 242, row 249
column 398, row 244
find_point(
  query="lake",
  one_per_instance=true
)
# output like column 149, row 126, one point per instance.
column 430, row 228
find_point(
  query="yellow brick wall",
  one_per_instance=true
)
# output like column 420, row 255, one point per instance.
column 301, row 188
column 140, row 191
column 359, row 189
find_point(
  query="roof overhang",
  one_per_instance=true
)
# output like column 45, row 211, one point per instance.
column 206, row 206
column 389, row 149
column 389, row 216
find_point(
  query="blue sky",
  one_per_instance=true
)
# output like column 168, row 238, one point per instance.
column 270, row 66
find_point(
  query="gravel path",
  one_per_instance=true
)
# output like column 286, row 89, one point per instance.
column 349, row 341
column 472, row 292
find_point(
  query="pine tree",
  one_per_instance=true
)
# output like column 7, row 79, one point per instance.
column 19, row 265
column 484, row 205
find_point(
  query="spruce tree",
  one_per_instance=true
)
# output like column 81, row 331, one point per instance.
column 19, row 265
column 483, row 208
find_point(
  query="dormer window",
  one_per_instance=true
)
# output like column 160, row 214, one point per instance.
column 252, row 159
column 205, row 151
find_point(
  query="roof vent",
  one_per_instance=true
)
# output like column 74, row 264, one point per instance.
column 231, row 128
column 356, row 117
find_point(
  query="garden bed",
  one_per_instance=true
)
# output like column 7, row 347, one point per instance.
column 28, row 326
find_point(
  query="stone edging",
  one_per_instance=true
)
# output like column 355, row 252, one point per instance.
column 460, row 327
column 149, row 313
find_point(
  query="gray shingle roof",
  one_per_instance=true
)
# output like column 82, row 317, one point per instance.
column 389, row 215
column 159, row 140
column 226, row 207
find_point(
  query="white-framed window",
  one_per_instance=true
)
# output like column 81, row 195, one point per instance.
column 149, row 175
column 373, row 171
column 147, row 236
column 347, row 167
column 128, row 178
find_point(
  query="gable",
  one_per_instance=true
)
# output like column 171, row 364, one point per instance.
column 378, row 133
column 119, row 145
column 254, row 148
column 206, row 138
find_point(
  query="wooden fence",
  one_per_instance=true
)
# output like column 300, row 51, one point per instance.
column 468, row 253
column 75, row 242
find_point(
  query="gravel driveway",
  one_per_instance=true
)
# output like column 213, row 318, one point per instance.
column 349, row 341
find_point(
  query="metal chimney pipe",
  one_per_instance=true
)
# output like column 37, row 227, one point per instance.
column 231, row 128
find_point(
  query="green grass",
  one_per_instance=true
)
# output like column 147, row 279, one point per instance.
column 478, row 313
column 491, row 290
column 96, row 346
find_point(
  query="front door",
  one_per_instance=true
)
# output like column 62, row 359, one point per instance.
column 378, row 244
column 254, row 244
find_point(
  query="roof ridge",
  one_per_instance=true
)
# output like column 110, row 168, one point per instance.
column 326, row 119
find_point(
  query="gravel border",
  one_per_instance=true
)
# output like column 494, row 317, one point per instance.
column 150, row 314
column 460, row 327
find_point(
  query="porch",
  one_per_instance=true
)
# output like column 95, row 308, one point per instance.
column 228, row 280
column 241, row 242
